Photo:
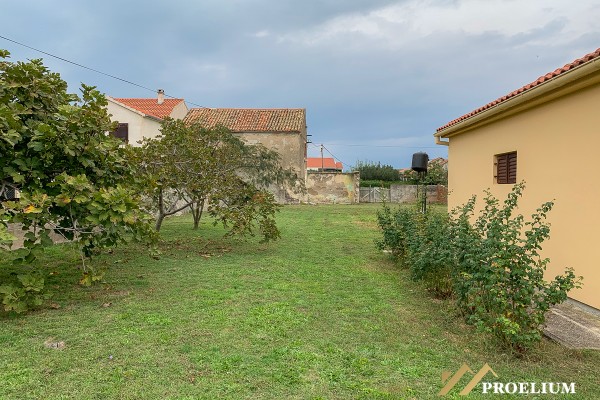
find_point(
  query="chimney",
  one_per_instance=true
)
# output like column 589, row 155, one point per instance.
column 161, row 96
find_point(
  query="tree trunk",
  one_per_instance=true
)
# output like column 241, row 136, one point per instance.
column 161, row 211
column 159, row 221
column 197, row 209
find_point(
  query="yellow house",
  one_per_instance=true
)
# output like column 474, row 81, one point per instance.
column 546, row 134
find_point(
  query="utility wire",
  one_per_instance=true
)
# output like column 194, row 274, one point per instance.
column 93, row 69
column 326, row 149
column 381, row 145
column 343, row 162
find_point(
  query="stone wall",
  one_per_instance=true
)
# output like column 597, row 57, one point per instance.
column 291, row 146
column 437, row 194
column 332, row 187
column 17, row 230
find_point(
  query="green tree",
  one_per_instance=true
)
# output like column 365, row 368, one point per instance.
column 436, row 175
column 212, row 169
column 370, row 171
column 73, row 178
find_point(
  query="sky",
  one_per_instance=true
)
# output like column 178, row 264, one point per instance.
column 376, row 77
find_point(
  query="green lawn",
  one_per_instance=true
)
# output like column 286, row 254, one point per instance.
column 320, row 314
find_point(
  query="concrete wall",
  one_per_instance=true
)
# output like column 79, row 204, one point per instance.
column 554, row 144
column 332, row 187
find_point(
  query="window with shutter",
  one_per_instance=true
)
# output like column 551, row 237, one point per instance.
column 122, row 132
column 506, row 168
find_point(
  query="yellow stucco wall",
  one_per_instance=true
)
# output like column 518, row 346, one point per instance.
column 556, row 156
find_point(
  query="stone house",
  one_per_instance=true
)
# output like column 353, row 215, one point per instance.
column 279, row 129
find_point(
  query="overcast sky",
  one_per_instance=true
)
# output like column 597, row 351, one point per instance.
column 376, row 77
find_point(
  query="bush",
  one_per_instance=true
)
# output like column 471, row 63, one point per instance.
column 431, row 252
column 26, row 293
column 396, row 228
column 491, row 266
column 500, row 282
column 420, row 242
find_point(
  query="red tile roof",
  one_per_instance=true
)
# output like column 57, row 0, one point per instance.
column 439, row 160
column 537, row 82
column 150, row 106
column 251, row 119
column 328, row 163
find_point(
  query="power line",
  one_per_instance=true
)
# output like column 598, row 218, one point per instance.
column 382, row 145
column 332, row 155
column 92, row 69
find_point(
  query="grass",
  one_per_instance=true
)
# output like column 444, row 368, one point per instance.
column 320, row 314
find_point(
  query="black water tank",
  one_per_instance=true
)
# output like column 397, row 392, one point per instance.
column 419, row 162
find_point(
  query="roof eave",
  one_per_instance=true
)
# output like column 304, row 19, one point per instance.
column 580, row 77
column 159, row 119
column 111, row 99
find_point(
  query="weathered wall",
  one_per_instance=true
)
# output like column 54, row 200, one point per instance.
column 17, row 230
column 437, row 194
column 332, row 187
column 290, row 146
column 292, row 149
column 554, row 156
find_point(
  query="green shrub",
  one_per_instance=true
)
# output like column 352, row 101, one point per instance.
column 420, row 242
column 25, row 294
column 489, row 262
column 396, row 227
column 500, row 284
column 431, row 252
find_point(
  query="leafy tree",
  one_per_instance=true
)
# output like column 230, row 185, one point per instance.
column 74, row 179
column 212, row 169
column 376, row 172
column 436, row 175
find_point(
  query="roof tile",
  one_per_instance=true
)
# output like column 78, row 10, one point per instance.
column 250, row 119
column 150, row 106
column 325, row 162
column 529, row 86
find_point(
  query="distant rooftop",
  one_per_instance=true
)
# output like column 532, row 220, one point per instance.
column 250, row 119
column 150, row 106
column 325, row 162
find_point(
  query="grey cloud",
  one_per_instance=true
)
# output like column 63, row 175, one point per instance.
column 356, row 89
